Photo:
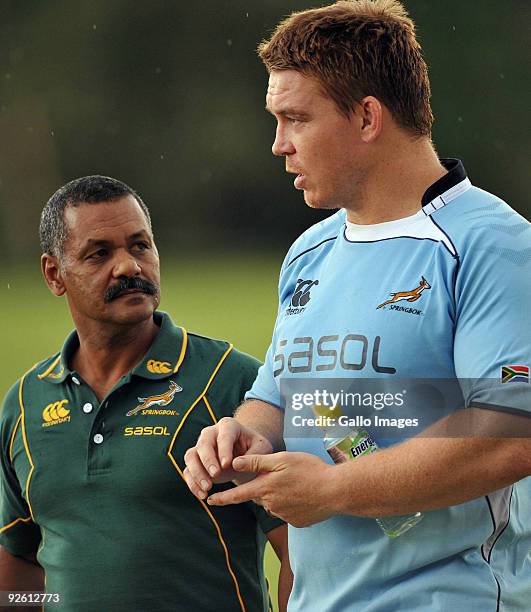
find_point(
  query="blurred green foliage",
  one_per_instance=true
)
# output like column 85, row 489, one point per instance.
column 169, row 97
column 233, row 298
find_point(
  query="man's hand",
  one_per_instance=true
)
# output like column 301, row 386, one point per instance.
column 293, row 486
column 210, row 460
column 20, row 574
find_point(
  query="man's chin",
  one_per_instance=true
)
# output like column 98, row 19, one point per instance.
column 310, row 200
column 313, row 201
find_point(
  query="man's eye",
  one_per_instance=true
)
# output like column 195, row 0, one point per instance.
column 142, row 246
column 98, row 254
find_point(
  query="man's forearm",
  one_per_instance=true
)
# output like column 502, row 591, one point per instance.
column 278, row 538
column 265, row 419
column 285, row 584
column 426, row 474
column 19, row 574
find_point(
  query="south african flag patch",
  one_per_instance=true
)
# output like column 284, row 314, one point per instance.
column 515, row 373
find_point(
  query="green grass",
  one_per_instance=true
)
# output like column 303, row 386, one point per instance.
column 233, row 297
column 229, row 297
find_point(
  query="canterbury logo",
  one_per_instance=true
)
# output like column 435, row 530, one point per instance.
column 156, row 400
column 301, row 296
column 56, row 413
column 158, row 367
column 409, row 296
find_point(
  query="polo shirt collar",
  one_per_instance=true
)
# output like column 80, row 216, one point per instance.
column 167, row 352
column 58, row 371
column 162, row 360
column 448, row 187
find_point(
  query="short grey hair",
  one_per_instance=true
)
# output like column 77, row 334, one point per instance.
column 85, row 190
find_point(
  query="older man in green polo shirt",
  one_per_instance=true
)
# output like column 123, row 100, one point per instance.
column 92, row 492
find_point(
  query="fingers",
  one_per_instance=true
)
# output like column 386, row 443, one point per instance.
column 198, row 479
column 201, row 460
column 211, row 459
column 195, row 475
column 253, row 490
column 206, row 452
column 257, row 463
column 237, row 495
column 248, row 463
column 206, row 462
column 215, row 446
column 229, row 430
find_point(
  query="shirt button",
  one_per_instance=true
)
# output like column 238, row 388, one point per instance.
column 75, row 380
column 98, row 439
column 87, row 408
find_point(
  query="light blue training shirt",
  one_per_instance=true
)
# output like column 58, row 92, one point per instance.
column 442, row 294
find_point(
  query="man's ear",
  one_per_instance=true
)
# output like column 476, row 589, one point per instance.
column 370, row 111
column 53, row 275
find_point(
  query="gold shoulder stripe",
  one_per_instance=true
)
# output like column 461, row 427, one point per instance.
column 201, row 396
column 13, row 437
column 209, row 408
column 13, row 523
column 220, row 537
column 26, row 447
column 183, row 350
column 50, row 369
column 205, row 507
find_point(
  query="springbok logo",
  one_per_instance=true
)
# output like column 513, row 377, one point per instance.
column 156, row 400
column 409, row 296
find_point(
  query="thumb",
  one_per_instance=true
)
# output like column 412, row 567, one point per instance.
column 254, row 463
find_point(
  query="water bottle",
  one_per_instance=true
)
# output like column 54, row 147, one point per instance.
column 354, row 444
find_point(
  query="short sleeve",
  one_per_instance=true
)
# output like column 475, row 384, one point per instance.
column 265, row 387
column 18, row 533
column 492, row 344
column 266, row 521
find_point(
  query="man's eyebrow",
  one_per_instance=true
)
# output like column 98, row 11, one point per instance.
column 140, row 234
column 288, row 112
column 91, row 242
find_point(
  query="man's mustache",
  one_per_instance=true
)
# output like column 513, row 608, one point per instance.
column 128, row 283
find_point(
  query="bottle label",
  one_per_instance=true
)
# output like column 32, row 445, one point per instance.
column 363, row 447
column 351, row 447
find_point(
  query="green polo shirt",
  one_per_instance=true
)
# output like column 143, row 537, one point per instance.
column 97, row 487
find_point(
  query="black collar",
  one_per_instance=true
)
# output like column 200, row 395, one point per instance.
column 456, row 174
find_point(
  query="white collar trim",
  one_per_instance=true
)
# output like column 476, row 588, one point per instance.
column 419, row 225
column 445, row 198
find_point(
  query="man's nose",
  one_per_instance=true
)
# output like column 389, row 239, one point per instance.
column 282, row 145
column 126, row 265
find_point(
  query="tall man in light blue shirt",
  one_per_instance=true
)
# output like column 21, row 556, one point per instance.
column 420, row 275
